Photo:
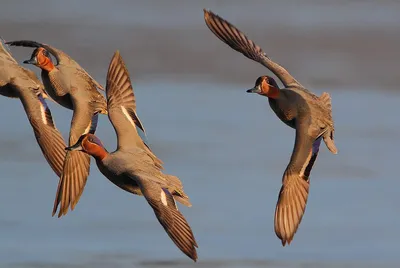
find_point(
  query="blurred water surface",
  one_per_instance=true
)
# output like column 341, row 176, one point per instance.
column 228, row 147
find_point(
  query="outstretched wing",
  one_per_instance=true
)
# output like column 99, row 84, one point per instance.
column 47, row 135
column 5, row 52
column 167, row 213
column 237, row 40
column 121, row 105
column 293, row 195
column 77, row 163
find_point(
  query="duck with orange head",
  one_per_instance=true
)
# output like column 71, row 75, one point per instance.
column 296, row 106
column 133, row 166
column 265, row 86
column 21, row 83
column 91, row 145
column 41, row 58
column 67, row 83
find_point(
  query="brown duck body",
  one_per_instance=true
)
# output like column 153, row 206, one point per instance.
column 296, row 102
column 285, row 110
column 133, row 167
column 50, row 83
column 72, row 87
column 120, row 166
column 297, row 107
column 18, row 82
column 67, row 84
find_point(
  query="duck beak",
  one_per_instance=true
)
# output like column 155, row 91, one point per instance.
column 76, row 147
column 255, row 89
column 33, row 61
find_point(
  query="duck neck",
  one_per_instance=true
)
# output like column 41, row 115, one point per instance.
column 99, row 153
column 273, row 93
column 47, row 66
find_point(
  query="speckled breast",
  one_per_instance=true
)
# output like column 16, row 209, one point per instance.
column 284, row 113
column 49, row 85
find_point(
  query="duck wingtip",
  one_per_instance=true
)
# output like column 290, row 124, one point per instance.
column 193, row 254
column 207, row 13
column 286, row 242
column 116, row 57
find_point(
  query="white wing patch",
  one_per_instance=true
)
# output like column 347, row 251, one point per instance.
column 163, row 198
column 43, row 113
column 303, row 168
column 88, row 127
column 125, row 112
column 313, row 151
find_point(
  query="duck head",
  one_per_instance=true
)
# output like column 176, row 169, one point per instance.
column 265, row 86
column 91, row 145
column 41, row 58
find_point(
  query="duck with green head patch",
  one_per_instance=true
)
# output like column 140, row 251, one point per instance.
column 133, row 167
column 72, row 87
column 18, row 82
column 297, row 107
